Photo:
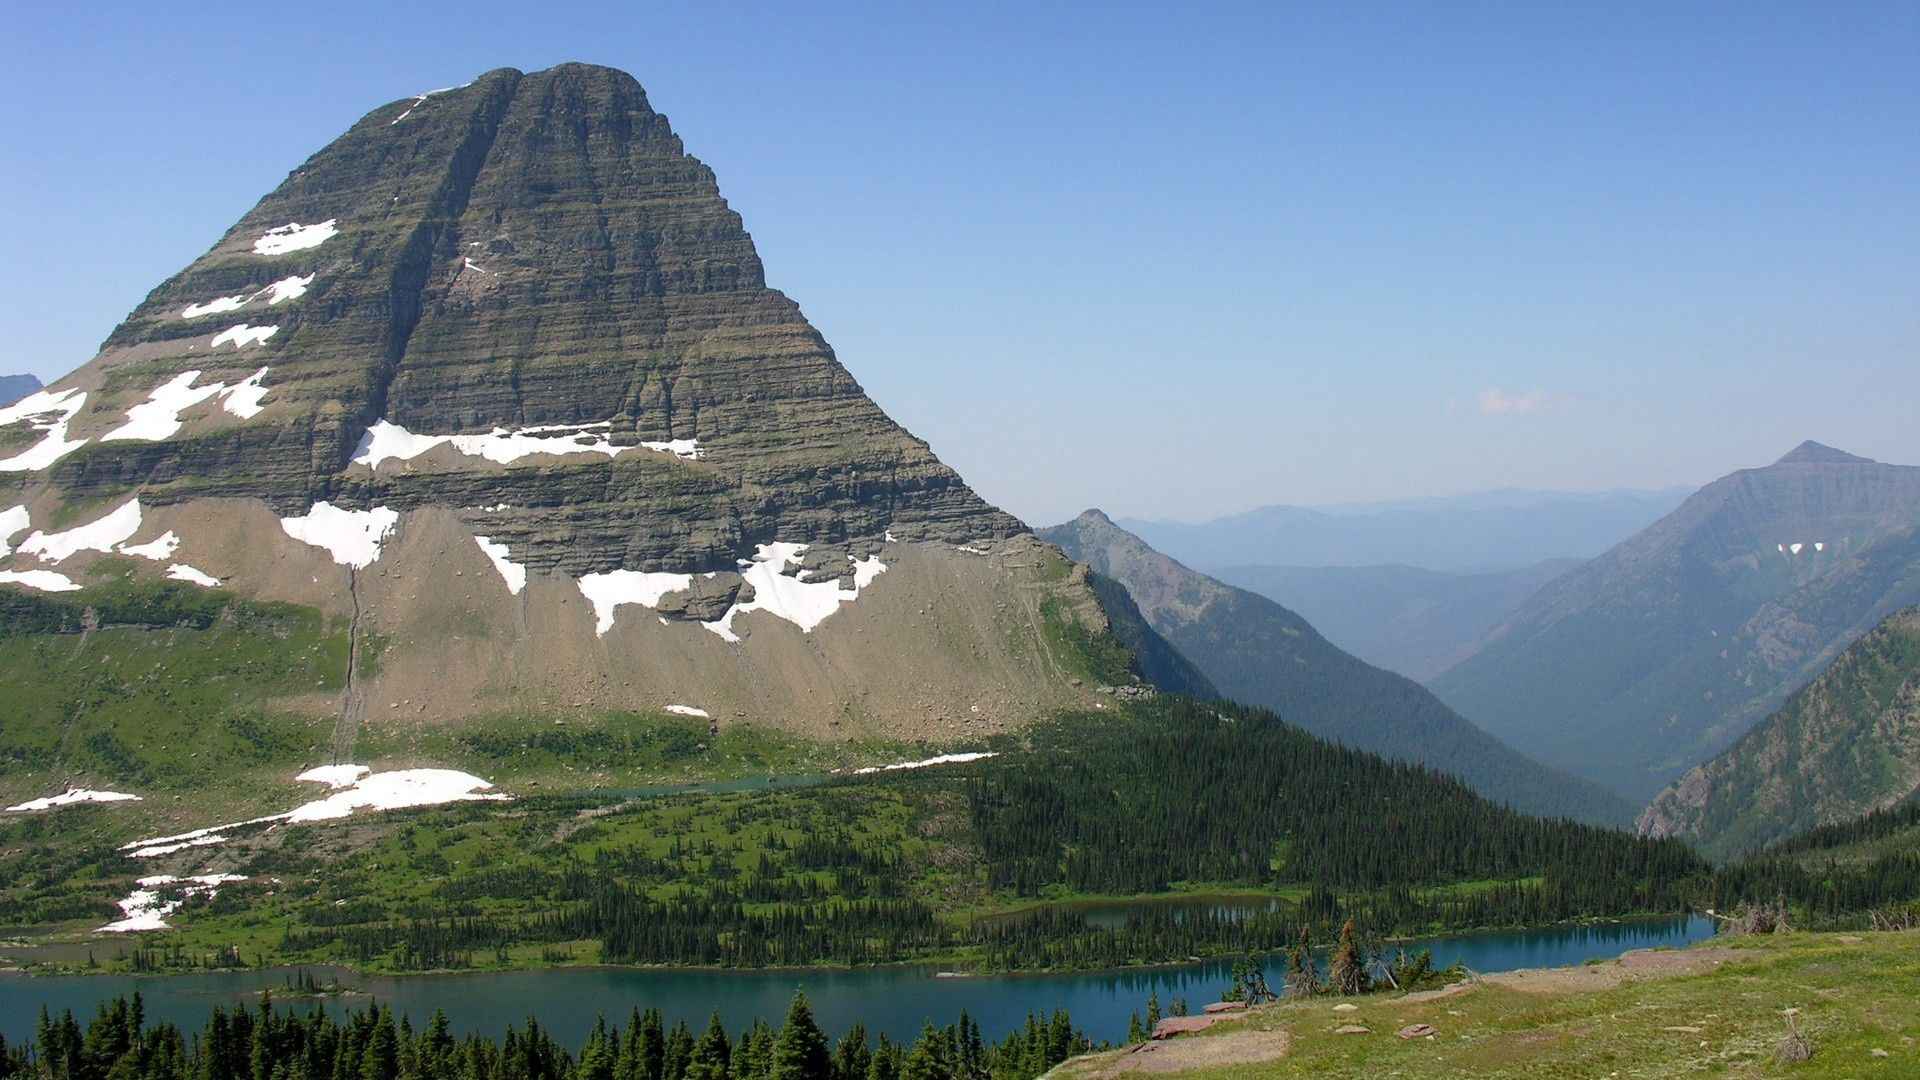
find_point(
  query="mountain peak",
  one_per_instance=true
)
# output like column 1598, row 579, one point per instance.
column 1094, row 516
column 1813, row 453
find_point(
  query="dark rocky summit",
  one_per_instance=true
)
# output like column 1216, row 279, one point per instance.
column 525, row 251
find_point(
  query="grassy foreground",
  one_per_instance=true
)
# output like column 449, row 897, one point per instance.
column 1714, row 1010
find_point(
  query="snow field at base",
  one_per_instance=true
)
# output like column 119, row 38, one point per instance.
column 942, row 759
column 294, row 236
column 183, row 572
column 70, row 797
column 615, row 587
column 101, row 534
column 43, row 580
column 48, row 412
column 159, row 549
column 355, row 788
column 352, row 537
column 143, row 909
column 805, row 604
column 688, row 710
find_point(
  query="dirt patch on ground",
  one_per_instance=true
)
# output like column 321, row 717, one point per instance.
column 1243, row 1047
column 1636, row 965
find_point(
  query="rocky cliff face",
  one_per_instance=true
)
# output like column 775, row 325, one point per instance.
column 1846, row 744
column 496, row 379
column 1657, row 655
column 1259, row 653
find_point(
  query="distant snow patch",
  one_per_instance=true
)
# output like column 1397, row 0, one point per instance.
column 44, row 580
column 943, row 759
column 159, row 549
column 805, row 604
column 242, row 399
column 384, row 441
column 1819, row 545
column 167, row 849
column 287, row 288
column 688, row 710
column 890, row 538
column 334, row 776
column 397, row 790
column 219, row 305
column 48, row 412
column 688, row 449
column 615, row 587
column 13, row 522
column 144, row 909
column 474, row 266
column 99, row 534
column 421, row 99
column 159, row 416
column 352, row 537
column 515, row 574
column 242, row 336
column 70, row 797
column 294, row 236
column 183, row 572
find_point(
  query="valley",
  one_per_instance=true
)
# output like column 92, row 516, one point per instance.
column 463, row 622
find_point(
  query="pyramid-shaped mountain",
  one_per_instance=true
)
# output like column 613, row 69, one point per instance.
column 494, row 383
column 1658, row 654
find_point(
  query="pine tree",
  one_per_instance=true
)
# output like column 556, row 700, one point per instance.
column 1347, row 971
column 1153, row 1010
column 1303, row 979
column 1135, row 1033
column 712, row 1055
column 801, row 1051
column 851, row 1058
column 679, row 1050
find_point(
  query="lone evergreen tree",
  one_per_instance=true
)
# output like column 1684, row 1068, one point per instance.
column 800, row 1053
column 1303, row 979
column 1347, row 971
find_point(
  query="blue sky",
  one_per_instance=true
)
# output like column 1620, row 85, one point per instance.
column 1171, row 261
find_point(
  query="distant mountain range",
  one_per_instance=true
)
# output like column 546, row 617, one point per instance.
column 1258, row 653
column 1845, row 745
column 1637, row 665
column 1496, row 530
column 15, row 387
column 1406, row 619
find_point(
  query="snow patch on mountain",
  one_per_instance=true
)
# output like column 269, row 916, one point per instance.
column 48, row 412
column 99, row 534
column 388, row 441
column 805, row 604
column 513, row 573
column 294, row 236
column 70, row 797
column 615, row 587
column 352, row 537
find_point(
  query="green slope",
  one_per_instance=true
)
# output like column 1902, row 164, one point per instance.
column 1847, row 743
